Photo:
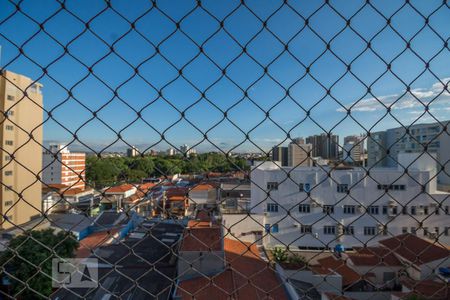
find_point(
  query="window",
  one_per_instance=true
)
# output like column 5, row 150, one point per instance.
column 404, row 210
column 329, row 230
column 306, row 229
column 349, row 230
column 328, row 209
column 304, row 208
column 342, row 188
column 413, row 230
column 267, row 228
column 8, row 203
column 446, row 229
column 437, row 210
column 394, row 210
column 373, row 210
column 9, row 127
column 272, row 207
column 413, row 210
column 447, row 210
column 349, row 209
column 9, row 143
column 425, row 231
column 385, row 210
column 10, row 97
column 425, row 210
column 275, row 228
column 8, row 173
column 404, row 229
column 395, row 187
column 369, row 230
column 436, row 230
column 7, row 158
column 10, row 113
column 272, row 186
column 304, row 187
column 8, row 188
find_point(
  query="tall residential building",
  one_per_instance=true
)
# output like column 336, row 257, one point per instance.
column 324, row 146
column 299, row 155
column 353, row 149
column 280, row 154
column 60, row 166
column 132, row 152
column 21, row 138
column 398, row 140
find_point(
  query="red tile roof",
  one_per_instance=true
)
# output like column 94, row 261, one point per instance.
column 146, row 186
column 415, row 249
column 247, row 277
column 202, row 187
column 339, row 266
column 178, row 191
column 202, row 236
column 427, row 289
column 119, row 189
column 94, row 241
column 374, row 256
column 332, row 296
column 56, row 186
column 75, row 191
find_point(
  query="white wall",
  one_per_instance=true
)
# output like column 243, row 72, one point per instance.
column 240, row 226
column 364, row 192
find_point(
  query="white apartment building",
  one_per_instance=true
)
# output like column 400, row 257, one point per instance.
column 60, row 166
column 311, row 210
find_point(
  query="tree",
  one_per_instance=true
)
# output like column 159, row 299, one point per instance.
column 280, row 254
column 29, row 260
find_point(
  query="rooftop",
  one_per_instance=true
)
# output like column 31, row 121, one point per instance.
column 119, row 189
column 426, row 289
column 246, row 277
column 147, row 272
column 95, row 240
column 70, row 222
column 374, row 256
column 415, row 249
column 202, row 236
column 202, row 187
column 332, row 264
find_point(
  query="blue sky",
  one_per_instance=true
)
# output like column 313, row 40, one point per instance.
column 202, row 74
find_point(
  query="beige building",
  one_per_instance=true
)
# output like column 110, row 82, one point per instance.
column 21, row 138
column 298, row 155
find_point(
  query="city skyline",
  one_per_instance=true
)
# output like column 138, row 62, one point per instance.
column 244, row 75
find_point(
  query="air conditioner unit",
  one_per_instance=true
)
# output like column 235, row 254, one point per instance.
column 298, row 225
column 391, row 202
column 361, row 209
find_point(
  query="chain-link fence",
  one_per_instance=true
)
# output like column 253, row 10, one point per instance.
column 224, row 149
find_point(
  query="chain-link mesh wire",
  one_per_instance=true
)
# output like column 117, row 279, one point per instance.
column 365, row 218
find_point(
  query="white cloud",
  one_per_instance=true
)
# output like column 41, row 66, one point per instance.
column 436, row 95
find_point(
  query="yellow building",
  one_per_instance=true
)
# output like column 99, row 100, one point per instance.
column 21, row 117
